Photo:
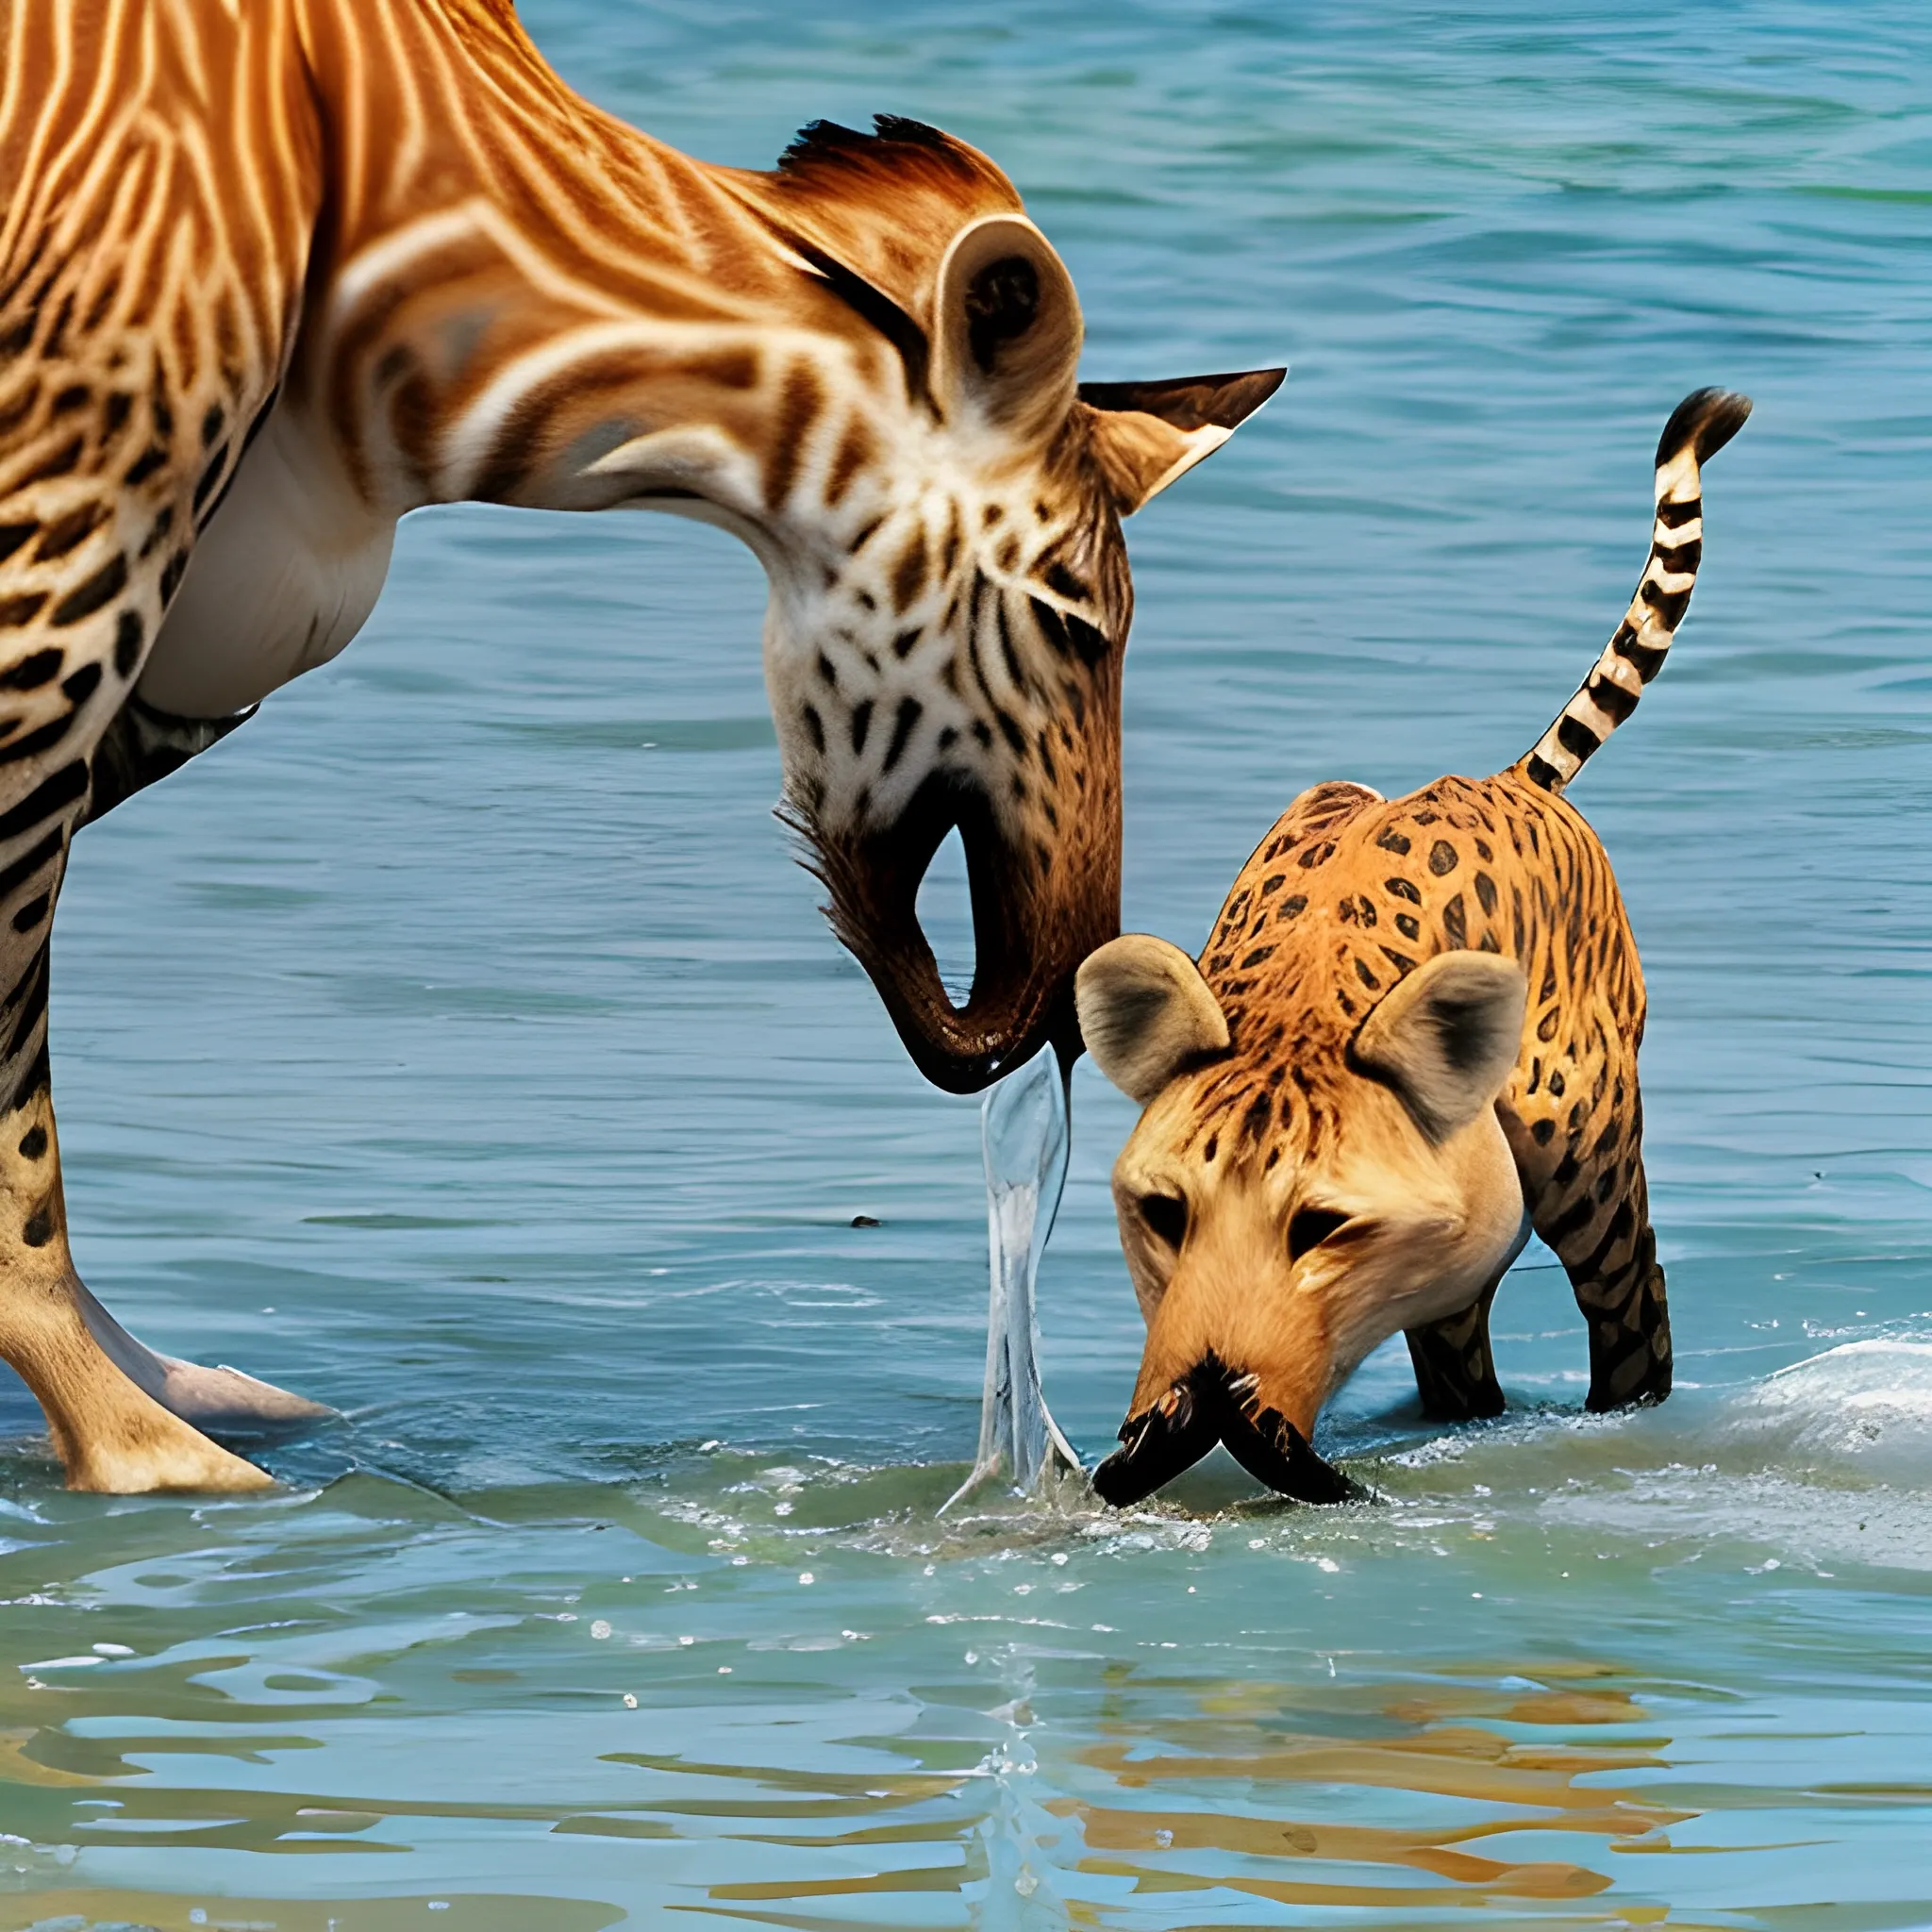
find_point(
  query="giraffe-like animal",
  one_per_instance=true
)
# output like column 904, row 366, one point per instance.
column 1411, row 1037
column 274, row 272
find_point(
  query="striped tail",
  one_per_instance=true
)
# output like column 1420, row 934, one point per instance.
column 1700, row 425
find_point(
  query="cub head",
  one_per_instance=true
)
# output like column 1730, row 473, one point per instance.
column 1296, row 1192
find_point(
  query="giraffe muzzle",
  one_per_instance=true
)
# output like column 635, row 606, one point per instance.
column 1214, row 1403
column 1032, row 925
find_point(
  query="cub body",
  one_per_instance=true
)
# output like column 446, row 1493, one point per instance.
column 1411, row 1038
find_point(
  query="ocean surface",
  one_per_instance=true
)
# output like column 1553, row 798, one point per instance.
column 459, row 1044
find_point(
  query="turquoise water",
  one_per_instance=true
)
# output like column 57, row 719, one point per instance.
column 459, row 1046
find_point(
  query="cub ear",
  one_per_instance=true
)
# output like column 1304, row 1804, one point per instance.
column 1007, row 328
column 1145, row 1013
column 1145, row 434
column 1446, row 1037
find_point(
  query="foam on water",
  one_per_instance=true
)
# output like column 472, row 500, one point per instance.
column 1861, row 1412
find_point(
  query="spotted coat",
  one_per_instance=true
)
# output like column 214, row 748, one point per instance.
column 1348, row 894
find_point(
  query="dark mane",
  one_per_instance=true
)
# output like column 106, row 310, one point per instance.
column 886, row 205
column 902, row 154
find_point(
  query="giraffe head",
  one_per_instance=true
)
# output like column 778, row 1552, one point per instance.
column 1307, row 1178
column 940, row 518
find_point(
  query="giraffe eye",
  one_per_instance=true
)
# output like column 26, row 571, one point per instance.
column 1089, row 642
column 1310, row 1227
column 1166, row 1217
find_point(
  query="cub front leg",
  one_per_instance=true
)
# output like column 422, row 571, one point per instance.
column 1454, row 1372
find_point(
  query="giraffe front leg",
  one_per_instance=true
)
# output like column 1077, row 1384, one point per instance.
column 109, row 1433
column 1454, row 1372
column 121, row 1417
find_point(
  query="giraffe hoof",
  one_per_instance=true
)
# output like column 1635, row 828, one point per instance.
column 145, row 1450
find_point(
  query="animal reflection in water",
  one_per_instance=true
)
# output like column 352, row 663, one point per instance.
column 1381, row 1757
column 1411, row 1037
column 1371, row 1750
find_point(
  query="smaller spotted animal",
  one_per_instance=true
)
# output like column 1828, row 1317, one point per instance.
column 1411, row 1038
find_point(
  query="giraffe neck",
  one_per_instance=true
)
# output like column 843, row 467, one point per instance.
column 519, row 299
column 512, row 298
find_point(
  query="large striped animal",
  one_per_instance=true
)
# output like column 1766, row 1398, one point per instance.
column 275, row 271
column 1411, row 1037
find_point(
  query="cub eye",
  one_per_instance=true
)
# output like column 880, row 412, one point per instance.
column 1311, row 1226
column 1166, row 1217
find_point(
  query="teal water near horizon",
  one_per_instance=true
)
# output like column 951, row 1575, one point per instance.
column 459, row 1044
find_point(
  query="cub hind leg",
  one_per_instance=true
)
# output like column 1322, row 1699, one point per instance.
column 1595, row 1213
column 1574, row 1116
column 1611, row 1261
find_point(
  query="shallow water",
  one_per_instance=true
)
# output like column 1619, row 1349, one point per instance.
column 458, row 1045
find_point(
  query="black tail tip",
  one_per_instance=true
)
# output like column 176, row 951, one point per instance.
column 1705, row 420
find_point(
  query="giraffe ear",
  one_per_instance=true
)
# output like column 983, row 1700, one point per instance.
column 1006, row 331
column 1447, row 1036
column 1146, row 1013
column 1145, row 434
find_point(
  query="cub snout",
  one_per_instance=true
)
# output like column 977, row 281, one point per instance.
column 1212, row 1403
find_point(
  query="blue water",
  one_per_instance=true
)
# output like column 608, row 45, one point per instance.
column 457, row 1044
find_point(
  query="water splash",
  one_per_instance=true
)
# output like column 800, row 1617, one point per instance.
column 1023, row 1135
column 1860, row 1411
